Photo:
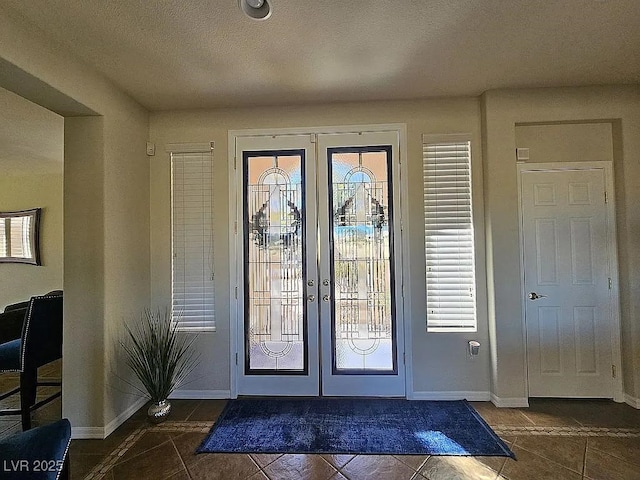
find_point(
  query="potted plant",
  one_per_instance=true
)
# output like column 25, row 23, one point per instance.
column 160, row 357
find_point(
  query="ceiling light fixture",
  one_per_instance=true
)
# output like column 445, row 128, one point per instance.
column 255, row 9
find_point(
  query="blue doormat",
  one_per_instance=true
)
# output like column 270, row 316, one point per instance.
column 352, row 426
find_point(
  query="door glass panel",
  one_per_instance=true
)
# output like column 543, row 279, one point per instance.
column 362, row 300
column 275, row 319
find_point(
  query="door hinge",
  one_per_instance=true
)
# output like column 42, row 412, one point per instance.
column 404, row 358
column 236, row 293
column 613, row 371
column 236, row 358
column 605, row 197
column 313, row 137
column 235, row 227
column 235, row 161
column 610, row 283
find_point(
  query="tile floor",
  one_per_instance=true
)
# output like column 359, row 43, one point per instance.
column 552, row 439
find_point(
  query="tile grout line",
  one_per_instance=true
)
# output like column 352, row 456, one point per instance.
column 555, row 462
column 584, row 460
column 194, row 409
column 184, row 466
column 610, row 454
column 527, row 418
column 111, row 459
column 504, row 465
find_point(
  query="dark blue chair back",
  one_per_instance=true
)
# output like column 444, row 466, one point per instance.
column 42, row 331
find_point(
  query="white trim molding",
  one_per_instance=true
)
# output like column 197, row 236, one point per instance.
column 87, row 433
column 124, row 416
column 456, row 395
column 513, row 402
column 78, row 433
column 633, row 401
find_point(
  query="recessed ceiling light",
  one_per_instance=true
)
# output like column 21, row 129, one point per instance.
column 256, row 9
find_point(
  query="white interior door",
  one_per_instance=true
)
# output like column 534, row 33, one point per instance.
column 567, row 283
column 316, row 236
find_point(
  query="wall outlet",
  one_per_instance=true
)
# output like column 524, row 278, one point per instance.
column 473, row 349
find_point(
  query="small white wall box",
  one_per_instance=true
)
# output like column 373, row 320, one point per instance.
column 474, row 348
column 522, row 154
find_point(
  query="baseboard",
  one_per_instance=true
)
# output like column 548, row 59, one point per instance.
column 82, row 433
column 199, row 394
column 513, row 402
column 85, row 433
column 471, row 396
column 633, row 401
column 78, row 433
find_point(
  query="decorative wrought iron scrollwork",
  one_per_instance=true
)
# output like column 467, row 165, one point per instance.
column 341, row 213
column 260, row 227
column 378, row 218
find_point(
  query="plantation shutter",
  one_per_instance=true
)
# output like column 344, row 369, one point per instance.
column 15, row 236
column 192, row 296
column 448, row 232
column 4, row 237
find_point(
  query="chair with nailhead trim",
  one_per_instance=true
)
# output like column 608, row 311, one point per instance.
column 39, row 344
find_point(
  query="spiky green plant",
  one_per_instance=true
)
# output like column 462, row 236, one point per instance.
column 157, row 354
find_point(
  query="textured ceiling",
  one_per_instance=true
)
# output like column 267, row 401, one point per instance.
column 174, row 54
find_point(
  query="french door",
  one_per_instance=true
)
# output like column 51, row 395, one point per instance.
column 317, row 254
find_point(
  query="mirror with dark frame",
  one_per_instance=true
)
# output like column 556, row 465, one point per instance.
column 20, row 236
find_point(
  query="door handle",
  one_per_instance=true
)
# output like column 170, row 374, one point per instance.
column 311, row 298
column 535, row 296
column 326, row 298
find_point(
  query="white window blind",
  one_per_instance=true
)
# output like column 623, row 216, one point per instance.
column 192, row 296
column 449, row 244
column 15, row 236
column 5, row 233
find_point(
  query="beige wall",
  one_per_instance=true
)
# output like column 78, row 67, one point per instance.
column 21, row 192
column 83, row 378
column 502, row 111
column 31, row 169
column 429, row 351
column 566, row 142
column 106, row 218
column 117, row 224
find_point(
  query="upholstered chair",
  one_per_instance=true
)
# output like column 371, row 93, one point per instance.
column 39, row 343
column 38, row 454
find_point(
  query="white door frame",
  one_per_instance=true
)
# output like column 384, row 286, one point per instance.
column 235, row 220
column 612, row 255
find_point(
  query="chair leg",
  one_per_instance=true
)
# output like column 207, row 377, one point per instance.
column 28, row 385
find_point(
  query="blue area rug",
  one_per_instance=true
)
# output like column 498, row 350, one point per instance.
column 353, row 426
